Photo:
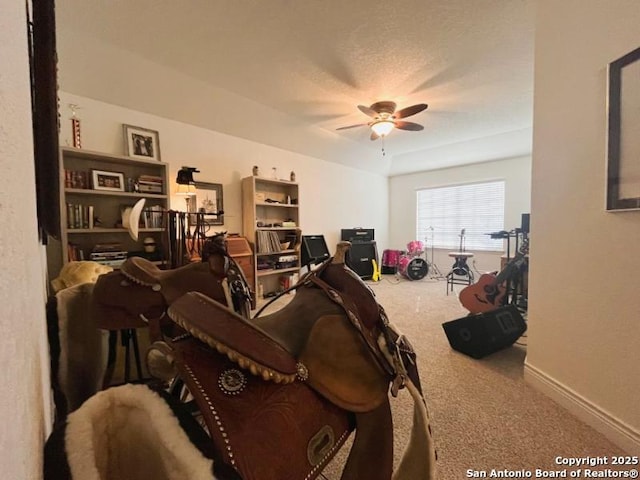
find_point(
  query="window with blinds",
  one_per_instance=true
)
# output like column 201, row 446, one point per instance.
column 478, row 208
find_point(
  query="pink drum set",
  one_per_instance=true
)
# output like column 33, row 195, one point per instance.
column 409, row 264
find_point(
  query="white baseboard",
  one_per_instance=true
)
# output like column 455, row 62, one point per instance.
column 623, row 435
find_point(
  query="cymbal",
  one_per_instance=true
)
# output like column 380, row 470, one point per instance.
column 500, row 234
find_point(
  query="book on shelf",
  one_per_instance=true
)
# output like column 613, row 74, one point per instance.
column 91, row 217
column 110, row 254
column 74, row 252
column 150, row 178
column 107, row 255
column 80, row 216
column 267, row 242
column 143, row 188
column 76, row 179
column 152, row 217
column 107, row 247
column 288, row 281
column 150, row 184
column 287, row 261
column 265, row 264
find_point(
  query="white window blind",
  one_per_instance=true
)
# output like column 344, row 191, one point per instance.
column 478, row 208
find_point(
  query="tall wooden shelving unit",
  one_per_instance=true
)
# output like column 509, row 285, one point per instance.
column 107, row 205
column 270, row 209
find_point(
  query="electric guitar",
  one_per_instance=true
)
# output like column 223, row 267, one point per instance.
column 376, row 271
column 489, row 291
column 460, row 266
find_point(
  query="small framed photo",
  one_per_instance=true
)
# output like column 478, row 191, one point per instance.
column 141, row 142
column 109, row 181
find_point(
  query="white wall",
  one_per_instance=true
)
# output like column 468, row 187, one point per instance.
column 516, row 172
column 332, row 196
column 24, row 413
column 584, row 317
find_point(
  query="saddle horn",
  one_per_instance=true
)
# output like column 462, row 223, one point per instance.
column 341, row 252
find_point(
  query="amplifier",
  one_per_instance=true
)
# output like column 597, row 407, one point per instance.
column 357, row 235
column 359, row 258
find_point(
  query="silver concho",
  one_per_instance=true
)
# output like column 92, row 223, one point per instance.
column 302, row 372
column 232, row 381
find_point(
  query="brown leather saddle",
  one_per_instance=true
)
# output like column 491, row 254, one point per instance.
column 140, row 291
column 129, row 298
column 280, row 394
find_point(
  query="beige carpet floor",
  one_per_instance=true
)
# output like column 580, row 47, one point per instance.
column 484, row 415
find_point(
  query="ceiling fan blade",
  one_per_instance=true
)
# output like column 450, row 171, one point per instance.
column 368, row 111
column 415, row 127
column 352, row 126
column 374, row 135
column 412, row 110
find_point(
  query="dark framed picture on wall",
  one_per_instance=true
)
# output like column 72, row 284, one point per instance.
column 207, row 202
column 623, row 141
column 141, row 142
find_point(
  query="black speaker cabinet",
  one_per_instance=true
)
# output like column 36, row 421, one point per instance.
column 485, row 333
column 526, row 219
column 359, row 258
column 357, row 235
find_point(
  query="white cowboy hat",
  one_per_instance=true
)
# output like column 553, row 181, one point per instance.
column 131, row 218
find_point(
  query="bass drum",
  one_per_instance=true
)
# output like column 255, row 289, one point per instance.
column 413, row 268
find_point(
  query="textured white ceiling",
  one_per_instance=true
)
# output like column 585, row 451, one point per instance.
column 302, row 67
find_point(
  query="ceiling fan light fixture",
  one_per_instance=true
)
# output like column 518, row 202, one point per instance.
column 382, row 127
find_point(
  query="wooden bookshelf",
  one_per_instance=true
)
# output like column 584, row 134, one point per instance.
column 266, row 205
column 100, row 220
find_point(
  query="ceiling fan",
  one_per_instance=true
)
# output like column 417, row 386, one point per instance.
column 385, row 118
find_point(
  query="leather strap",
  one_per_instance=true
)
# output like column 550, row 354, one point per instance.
column 371, row 455
column 239, row 289
column 403, row 356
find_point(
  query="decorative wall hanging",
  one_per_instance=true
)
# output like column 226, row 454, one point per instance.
column 207, row 202
column 623, row 142
column 141, row 142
